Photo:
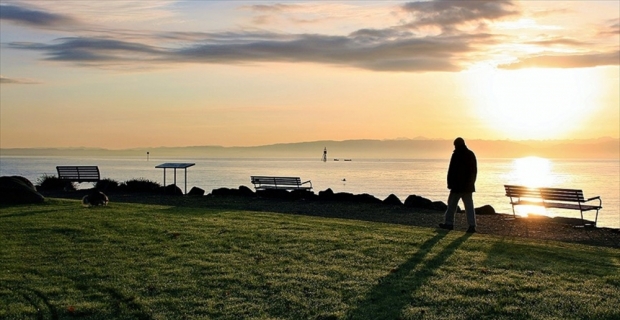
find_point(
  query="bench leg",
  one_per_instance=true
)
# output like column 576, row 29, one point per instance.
column 514, row 215
column 596, row 218
column 587, row 225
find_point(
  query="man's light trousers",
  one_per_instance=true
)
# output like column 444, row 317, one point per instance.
column 468, row 202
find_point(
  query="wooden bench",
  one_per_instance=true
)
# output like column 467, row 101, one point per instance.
column 571, row 199
column 284, row 183
column 78, row 173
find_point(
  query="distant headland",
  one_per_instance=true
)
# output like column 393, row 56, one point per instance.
column 602, row 148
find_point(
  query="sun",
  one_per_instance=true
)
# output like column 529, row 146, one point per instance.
column 532, row 172
column 534, row 103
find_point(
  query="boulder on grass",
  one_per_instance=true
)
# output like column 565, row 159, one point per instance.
column 172, row 190
column 343, row 197
column 367, row 198
column 18, row 190
column 414, row 201
column 327, row 194
column 195, row 191
column 485, row 210
column 392, row 199
column 440, row 206
column 224, row 192
column 245, row 191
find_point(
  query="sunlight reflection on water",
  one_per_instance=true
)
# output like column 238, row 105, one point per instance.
column 534, row 172
column 378, row 177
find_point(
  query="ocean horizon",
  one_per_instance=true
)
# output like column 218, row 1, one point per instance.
column 377, row 177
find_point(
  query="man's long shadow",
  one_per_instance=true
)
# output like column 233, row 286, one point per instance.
column 393, row 292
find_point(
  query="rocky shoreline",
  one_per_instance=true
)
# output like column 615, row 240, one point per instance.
column 414, row 211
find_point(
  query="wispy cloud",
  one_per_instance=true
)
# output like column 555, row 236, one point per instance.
column 6, row 80
column 409, row 54
column 101, row 11
column 613, row 30
column 310, row 13
column 567, row 61
column 438, row 35
column 390, row 49
column 33, row 17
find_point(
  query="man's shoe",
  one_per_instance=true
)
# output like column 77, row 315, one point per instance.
column 446, row 226
column 471, row 230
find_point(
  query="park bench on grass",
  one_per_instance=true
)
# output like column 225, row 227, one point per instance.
column 282, row 183
column 78, row 173
column 571, row 199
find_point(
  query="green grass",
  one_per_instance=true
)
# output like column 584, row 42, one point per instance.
column 59, row 260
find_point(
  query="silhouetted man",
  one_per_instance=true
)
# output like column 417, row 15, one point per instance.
column 462, row 174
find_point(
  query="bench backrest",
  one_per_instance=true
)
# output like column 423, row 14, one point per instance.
column 277, row 181
column 78, row 173
column 555, row 194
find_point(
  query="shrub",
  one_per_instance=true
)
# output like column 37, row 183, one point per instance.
column 52, row 183
column 107, row 185
column 140, row 185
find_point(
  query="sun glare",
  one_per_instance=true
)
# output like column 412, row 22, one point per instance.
column 534, row 103
column 532, row 172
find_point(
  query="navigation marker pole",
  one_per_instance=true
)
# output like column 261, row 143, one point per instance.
column 324, row 155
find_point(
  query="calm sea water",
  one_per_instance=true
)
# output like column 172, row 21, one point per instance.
column 380, row 178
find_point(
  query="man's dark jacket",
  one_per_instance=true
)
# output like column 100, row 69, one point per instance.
column 463, row 170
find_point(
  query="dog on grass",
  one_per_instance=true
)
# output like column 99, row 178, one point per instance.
column 95, row 198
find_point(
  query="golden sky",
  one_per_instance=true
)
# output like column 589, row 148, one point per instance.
column 124, row 74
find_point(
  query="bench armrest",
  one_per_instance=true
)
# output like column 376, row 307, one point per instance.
column 600, row 202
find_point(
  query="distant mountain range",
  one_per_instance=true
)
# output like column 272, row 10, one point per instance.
column 603, row 148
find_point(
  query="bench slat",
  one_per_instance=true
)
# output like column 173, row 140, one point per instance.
column 559, row 198
column 78, row 173
column 287, row 183
column 572, row 195
column 556, row 205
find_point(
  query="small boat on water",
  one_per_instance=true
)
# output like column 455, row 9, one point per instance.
column 336, row 160
column 347, row 159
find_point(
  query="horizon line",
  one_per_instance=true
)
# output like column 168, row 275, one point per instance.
column 303, row 142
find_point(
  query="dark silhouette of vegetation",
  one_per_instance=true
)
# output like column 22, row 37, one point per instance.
column 139, row 185
column 50, row 183
column 107, row 185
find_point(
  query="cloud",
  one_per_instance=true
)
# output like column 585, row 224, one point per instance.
column 358, row 50
column 388, row 49
column 273, row 7
column 33, row 17
column 103, row 11
column 558, row 42
column 319, row 13
column 613, row 29
column 94, row 51
column 567, row 61
column 404, row 54
column 464, row 39
column 447, row 15
column 5, row 80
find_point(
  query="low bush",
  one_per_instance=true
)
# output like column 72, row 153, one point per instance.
column 139, row 185
column 50, row 182
column 107, row 185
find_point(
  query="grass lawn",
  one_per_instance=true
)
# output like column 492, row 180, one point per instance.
column 59, row 260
